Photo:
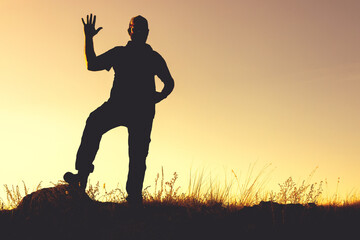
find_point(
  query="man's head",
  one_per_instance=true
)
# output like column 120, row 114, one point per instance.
column 138, row 29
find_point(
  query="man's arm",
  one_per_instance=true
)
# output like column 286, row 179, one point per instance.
column 90, row 32
column 166, row 78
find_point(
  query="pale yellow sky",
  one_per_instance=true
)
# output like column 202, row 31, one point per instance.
column 256, row 81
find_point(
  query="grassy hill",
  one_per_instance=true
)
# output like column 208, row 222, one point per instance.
column 61, row 212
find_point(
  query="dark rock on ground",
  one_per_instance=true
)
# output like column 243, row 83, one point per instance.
column 62, row 198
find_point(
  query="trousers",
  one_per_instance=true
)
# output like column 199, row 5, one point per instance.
column 107, row 117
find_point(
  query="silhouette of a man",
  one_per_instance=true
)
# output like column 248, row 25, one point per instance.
column 131, row 103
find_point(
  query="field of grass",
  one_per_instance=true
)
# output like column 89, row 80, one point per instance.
column 205, row 211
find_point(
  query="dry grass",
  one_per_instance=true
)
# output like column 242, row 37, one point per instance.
column 209, row 209
column 233, row 193
column 14, row 195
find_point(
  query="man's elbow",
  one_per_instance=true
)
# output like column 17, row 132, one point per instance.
column 91, row 66
column 170, row 85
column 92, row 63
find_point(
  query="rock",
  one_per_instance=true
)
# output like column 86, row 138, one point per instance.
column 61, row 198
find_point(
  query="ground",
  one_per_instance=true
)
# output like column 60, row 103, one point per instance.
column 62, row 212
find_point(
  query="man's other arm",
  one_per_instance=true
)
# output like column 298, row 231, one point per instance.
column 166, row 78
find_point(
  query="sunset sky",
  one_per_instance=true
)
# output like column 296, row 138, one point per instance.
column 256, row 82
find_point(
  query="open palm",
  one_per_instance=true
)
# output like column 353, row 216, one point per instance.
column 89, row 26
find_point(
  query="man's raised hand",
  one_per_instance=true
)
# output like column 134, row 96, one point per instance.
column 89, row 26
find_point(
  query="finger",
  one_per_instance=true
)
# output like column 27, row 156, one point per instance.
column 94, row 19
column 91, row 18
column 83, row 21
column 87, row 19
column 97, row 30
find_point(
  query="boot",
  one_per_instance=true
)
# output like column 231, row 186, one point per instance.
column 78, row 180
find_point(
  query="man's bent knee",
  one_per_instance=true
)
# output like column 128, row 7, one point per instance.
column 84, row 166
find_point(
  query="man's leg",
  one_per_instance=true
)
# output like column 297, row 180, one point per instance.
column 139, row 140
column 99, row 122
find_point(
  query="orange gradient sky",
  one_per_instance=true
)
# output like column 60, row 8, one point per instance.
column 255, row 81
